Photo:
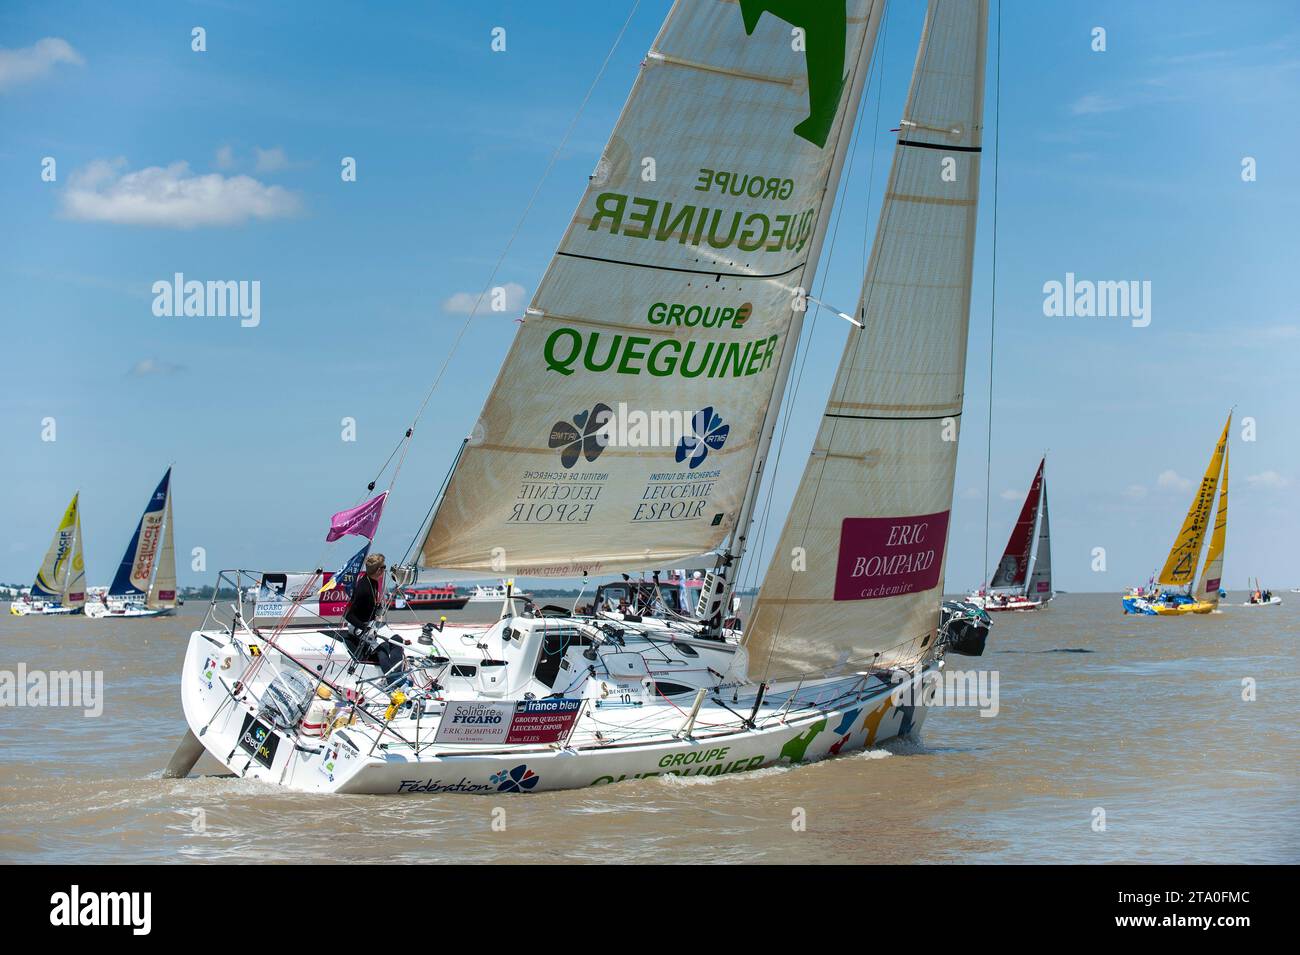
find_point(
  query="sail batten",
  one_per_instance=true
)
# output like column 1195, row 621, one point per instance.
column 862, row 552
column 672, row 292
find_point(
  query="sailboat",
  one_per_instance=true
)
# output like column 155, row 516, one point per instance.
column 1023, row 578
column 685, row 290
column 145, row 585
column 1173, row 593
column 60, row 586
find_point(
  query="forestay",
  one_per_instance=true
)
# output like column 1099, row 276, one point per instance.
column 858, row 572
column 622, row 428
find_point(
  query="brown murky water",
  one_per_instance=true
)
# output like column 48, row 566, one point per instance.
column 1140, row 717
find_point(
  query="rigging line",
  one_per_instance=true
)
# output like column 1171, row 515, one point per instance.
column 993, row 297
column 564, row 140
column 752, row 572
column 849, row 357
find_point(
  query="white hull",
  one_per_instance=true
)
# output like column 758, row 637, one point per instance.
column 991, row 604
column 19, row 609
column 99, row 610
column 1272, row 602
column 612, row 741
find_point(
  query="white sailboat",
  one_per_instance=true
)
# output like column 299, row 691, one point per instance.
column 680, row 291
column 1023, row 578
column 60, row 586
column 145, row 584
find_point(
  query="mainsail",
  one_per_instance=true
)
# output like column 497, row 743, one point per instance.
column 62, row 574
column 135, row 572
column 1013, row 568
column 858, row 572
column 1180, row 567
column 623, row 426
column 1040, row 578
column 1212, row 576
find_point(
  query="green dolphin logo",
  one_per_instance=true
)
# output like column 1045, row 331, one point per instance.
column 825, row 27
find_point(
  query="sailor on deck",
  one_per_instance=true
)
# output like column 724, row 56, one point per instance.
column 362, row 610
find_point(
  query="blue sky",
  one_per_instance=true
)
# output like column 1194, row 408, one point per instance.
column 1115, row 165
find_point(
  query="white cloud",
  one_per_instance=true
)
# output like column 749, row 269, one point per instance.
column 1268, row 481
column 972, row 494
column 171, row 197
column 1010, row 495
column 511, row 295
column 1135, row 492
column 270, row 160
column 32, row 62
column 225, row 157
column 1094, row 103
column 153, row 366
column 1171, row 480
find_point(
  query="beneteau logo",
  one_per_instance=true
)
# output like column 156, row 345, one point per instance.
column 66, row 688
column 1084, row 298
column 75, row 908
column 212, row 299
column 825, row 30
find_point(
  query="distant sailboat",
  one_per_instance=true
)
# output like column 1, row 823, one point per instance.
column 60, row 586
column 1180, row 567
column 1023, row 579
column 145, row 585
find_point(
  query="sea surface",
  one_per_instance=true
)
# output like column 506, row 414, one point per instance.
column 1140, row 719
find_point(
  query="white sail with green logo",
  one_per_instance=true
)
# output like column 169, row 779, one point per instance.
column 622, row 429
column 858, row 573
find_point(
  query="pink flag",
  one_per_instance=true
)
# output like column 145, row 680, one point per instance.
column 360, row 520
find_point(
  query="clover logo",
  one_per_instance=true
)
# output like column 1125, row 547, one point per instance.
column 521, row 779
column 707, row 433
column 581, row 436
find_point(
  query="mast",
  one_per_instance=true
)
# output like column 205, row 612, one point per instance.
column 735, row 552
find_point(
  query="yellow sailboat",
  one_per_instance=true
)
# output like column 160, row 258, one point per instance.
column 1179, row 570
